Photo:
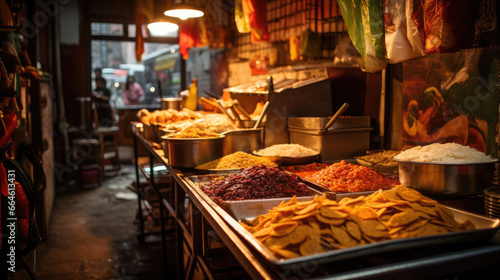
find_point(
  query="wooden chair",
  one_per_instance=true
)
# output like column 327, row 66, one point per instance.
column 108, row 142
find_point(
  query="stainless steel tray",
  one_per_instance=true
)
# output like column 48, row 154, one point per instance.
column 486, row 228
column 218, row 171
column 253, row 207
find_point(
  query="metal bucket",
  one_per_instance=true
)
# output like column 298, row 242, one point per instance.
column 191, row 152
column 245, row 140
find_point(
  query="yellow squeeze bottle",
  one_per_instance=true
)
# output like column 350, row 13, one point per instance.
column 192, row 98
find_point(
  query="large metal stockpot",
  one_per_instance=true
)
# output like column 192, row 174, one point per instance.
column 191, row 152
column 245, row 140
column 165, row 134
column 171, row 103
column 452, row 179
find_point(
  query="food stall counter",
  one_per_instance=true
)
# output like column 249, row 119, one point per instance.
column 428, row 260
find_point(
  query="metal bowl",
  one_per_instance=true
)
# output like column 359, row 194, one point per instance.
column 245, row 140
column 448, row 179
column 283, row 161
column 191, row 152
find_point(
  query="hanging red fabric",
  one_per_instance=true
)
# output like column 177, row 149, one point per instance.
column 10, row 121
column 22, row 206
column 139, row 40
column 255, row 12
column 189, row 36
column 4, row 191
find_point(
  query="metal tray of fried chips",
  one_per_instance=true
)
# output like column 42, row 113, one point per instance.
column 485, row 230
column 250, row 206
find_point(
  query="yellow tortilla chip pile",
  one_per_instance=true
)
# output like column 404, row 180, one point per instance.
column 295, row 229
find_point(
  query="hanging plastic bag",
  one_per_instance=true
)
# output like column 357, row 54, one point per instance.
column 310, row 43
column 239, row 18
column 402, row 40
column 294, row 48
column 346, row 54
column 449, row 25
column 365, row 25
column 255, row 12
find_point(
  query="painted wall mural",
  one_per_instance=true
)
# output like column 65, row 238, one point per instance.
column 453, row 98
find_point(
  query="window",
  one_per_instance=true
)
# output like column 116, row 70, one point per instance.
column 106, row 29
column 113, row 50
column 160, row 64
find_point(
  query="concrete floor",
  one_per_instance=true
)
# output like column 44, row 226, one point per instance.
column 93, row 231
column 92, row 235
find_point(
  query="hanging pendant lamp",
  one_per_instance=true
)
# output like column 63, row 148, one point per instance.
column 161, row 26
column 183, row 10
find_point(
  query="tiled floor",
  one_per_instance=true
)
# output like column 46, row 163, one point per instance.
column 92, row 235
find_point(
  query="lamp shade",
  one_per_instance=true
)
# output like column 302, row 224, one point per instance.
column 159, row 28
column 183, row 11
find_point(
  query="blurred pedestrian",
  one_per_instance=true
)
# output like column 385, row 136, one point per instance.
column 133, row 94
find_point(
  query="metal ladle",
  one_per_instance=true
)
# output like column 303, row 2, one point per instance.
column 238, row 107
column 237, row 117
column 335, row 117
column 262, row 114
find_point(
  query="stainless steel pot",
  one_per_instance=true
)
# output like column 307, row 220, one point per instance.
column 191, row 152
column 157, row 132
column 245, row 140
column 165, row 134
column 447, row 178
column 148, row 131
column 171, row 103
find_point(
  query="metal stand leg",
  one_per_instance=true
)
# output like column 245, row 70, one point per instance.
column 190, row 268
column 28, row 270
column 179, row 233
column 162, row 221
column 196, row 231
column 140, row 237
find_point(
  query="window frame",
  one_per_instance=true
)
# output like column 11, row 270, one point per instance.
column 124, row 38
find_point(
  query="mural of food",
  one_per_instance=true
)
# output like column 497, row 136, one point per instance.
column 455, row 101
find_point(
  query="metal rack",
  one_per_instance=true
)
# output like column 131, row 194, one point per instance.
column 191, row 227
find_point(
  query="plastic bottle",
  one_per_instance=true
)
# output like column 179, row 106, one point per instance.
column 192, row 98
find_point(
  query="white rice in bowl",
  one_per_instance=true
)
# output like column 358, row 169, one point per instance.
column 287, row 150
column 444, row 153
